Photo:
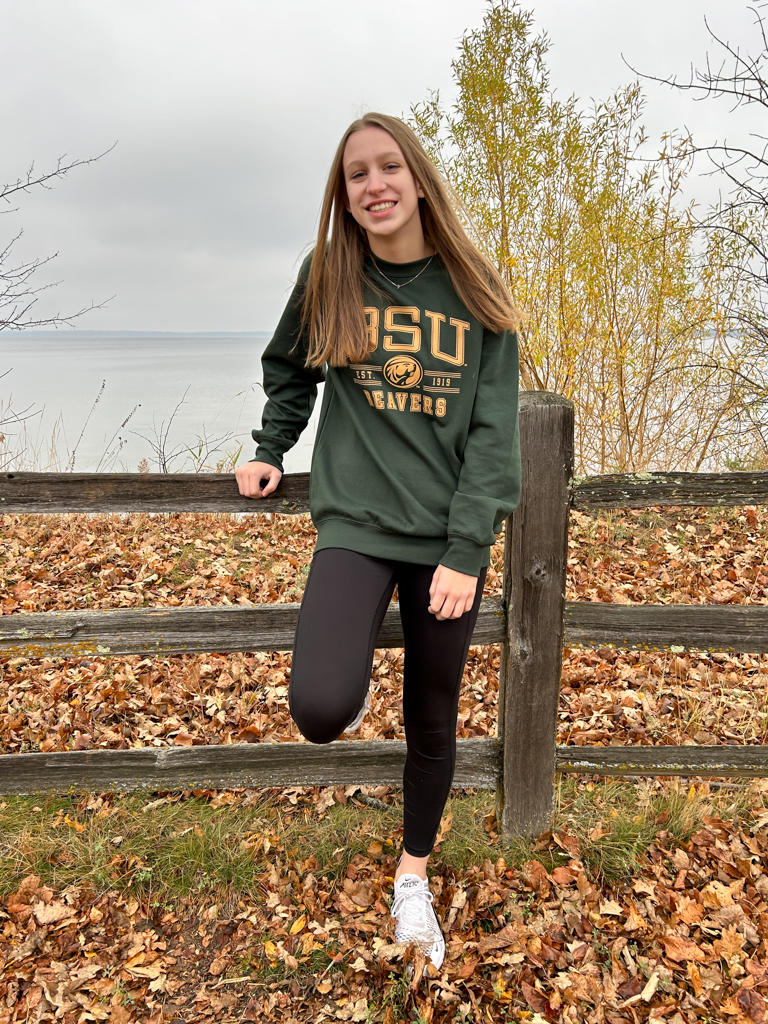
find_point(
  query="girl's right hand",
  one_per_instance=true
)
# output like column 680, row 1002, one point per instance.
column 250, row 475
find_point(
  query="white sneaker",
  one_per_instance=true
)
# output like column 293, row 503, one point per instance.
column 358, row 721
column 415, row 919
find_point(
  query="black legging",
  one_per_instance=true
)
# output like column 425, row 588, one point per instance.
column 345, row 600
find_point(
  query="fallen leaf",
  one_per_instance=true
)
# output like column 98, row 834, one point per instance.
column 751, row 1004
column 680, row 949
column 535, row 876
column 564, row 875
column 534, row 998
column 650, row 989
column 730, row 945
column 611, row 907
column 445, row 827
column 51, row 913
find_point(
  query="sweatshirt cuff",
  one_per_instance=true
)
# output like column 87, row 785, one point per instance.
column 264, row 455
column 464, row 555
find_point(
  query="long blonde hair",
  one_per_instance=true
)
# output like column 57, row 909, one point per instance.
column 332, row 313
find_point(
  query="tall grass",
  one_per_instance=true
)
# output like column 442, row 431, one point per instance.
column 27, row 446
column 168, row 849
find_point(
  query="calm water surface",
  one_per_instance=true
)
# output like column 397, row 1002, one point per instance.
column 59, row 375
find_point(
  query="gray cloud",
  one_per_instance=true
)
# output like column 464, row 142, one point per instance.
column 227, row 113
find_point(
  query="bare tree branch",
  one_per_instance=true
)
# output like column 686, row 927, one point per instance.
column 746, row 82
column 30, row 180
column 18, row 296
column 742, row 216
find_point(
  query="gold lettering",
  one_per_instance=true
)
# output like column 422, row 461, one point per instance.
column 378, row 397
column 402, row 398
column 428, row 404
column 391, row 400
column 415, row 402
column 372, row 326
column 439, row 407
column 434, row 344
column 461, row 329
column 389, row 325
column 437, row 319
column 368, row 396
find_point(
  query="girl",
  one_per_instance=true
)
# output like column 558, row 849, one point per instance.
column 415, row 466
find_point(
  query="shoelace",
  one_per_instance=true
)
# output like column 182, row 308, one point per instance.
column 355, row 724
column 409, row 909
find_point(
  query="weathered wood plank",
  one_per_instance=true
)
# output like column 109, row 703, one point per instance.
column 267, row 765
column 145, row 492
column 163, row 631
column 723, row 761
column 252, row 765
column 644, row 490
column 534, row 588
column 217, row 492
column 734, row 628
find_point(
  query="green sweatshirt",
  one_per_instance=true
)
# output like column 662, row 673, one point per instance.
column 417, row 454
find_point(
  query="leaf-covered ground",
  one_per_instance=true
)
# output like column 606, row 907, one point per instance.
column 645, row 902
column 73, row 562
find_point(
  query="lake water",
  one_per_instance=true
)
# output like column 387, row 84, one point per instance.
column 58, row 376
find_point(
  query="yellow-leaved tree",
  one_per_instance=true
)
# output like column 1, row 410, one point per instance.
column 623, row 298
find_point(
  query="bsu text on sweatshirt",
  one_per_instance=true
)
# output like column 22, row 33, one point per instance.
column 417, row 452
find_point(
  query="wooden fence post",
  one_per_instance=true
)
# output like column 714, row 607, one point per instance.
column 535, row 557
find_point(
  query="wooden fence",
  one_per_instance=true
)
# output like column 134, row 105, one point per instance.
column 532, row 622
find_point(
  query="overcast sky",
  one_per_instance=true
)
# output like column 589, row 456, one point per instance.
column 226, row 114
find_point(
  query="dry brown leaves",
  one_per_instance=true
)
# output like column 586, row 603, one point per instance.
column 98, row 562
column 72, row 562
column 685, row 940
column 686, row 557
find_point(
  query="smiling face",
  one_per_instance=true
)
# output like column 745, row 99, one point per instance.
column 383, row 196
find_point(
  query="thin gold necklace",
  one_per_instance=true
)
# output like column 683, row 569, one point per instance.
column 394, row 283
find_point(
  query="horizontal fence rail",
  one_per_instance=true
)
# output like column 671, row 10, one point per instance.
column 530, row 621
column 159, row 632
column 644, row 490
column 724, row 761
column 708, row 628
column 231, row 766
column 358, row 762
column 165, row 631
column 145, row 492
column 217, row 492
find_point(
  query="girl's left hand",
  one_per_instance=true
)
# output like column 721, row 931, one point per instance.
column 451, row 593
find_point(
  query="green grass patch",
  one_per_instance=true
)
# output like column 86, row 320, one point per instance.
column 171, row 850
column 617, row 820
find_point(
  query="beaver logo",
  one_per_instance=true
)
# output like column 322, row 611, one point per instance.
column 403, row 371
